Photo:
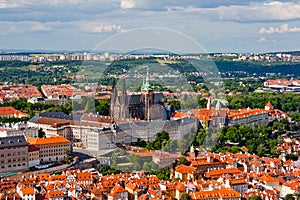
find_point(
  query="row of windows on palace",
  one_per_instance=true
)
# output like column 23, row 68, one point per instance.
column 13, row 154
column 49, row 146
column 14, row 165
column 53, row 150
column 13, row 160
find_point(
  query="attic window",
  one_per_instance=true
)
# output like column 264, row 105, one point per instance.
column 10, row 141
column 20, row 141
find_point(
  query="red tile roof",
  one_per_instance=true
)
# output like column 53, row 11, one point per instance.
column 185, row 169
column 27, row 191
column 51, row 140
column 220, row 172
column 9, row 110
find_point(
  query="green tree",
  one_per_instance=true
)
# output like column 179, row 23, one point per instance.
column 41, row 133
column 122, row 152
column 105, row 169
column 89, row 106
column 185, row 196
column 181, row 161
column 293, row 157
column 162, row 174
column 137, row 166
column 200, row 137
column 102, row 107
column 147, row 167
column 134, row 158
column 261, row 150
column 289, row 197
column 153, row 166
column 255, row 197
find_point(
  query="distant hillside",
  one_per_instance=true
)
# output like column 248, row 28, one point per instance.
column 294, row 53
column 258, row 68
column 188, row 66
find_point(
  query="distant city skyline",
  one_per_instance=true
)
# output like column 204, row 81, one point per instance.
column 217, row 25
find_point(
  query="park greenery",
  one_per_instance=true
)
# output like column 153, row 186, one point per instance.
column 32, row 109
column 96, row 106
column 255, row 197
column 242, row 85
column 123, row 161
column 261, row 140
column 163, row 142
column 287, row 102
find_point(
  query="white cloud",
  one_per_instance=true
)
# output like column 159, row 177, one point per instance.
column 262, row 39
column 95, row 27
column 272, row 11
column 284, row 28
column 26, row 26
column 12, row 4
column 6, row 4
column 127, row 4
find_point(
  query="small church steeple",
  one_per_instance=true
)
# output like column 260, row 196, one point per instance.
column 269, row 106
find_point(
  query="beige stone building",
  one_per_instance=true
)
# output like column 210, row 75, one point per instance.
column 51, row 149
column 13, row 154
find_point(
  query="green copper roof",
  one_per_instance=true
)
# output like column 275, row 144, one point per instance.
column 146, row 86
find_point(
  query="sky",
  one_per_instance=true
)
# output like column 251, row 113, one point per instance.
column 216, row 25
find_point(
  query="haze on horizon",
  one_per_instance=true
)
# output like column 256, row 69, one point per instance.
column 217, row 25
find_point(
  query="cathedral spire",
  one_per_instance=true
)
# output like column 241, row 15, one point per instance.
column 146, row 85
column 124, row 98
column 147, row 77
column 113, row 98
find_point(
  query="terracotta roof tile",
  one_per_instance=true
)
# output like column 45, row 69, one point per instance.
column 51, row 140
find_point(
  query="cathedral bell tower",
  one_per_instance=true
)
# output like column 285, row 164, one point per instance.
column 147, row 99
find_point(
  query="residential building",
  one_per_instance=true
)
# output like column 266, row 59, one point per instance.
column 239, row 185
column 221, row 194
column 11, row 92
column 62, row 91
column 185, row 172
column 51, row 149
column 13, row 154
column 27, row 193
column 12, row 131
column 11, row 112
